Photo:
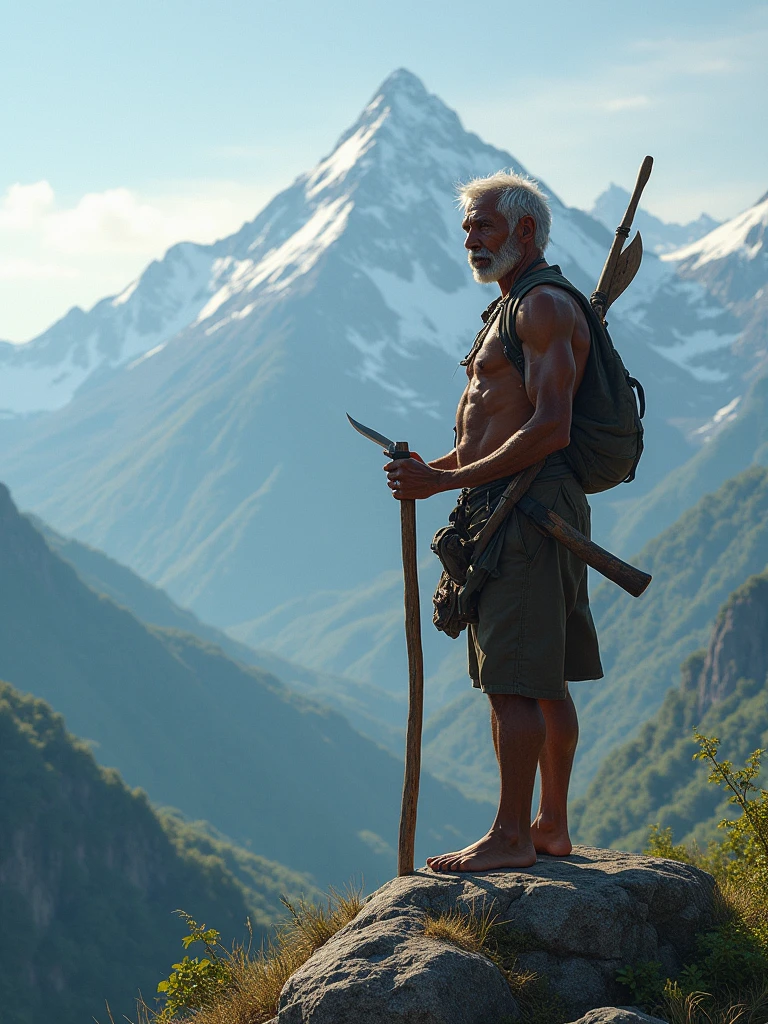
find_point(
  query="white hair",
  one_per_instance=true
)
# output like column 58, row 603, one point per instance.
column 516, row 197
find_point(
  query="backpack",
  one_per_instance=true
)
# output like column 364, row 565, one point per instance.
column 606, row 428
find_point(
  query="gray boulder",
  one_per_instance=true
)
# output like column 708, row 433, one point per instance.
column 384, row 969
column 578, row 921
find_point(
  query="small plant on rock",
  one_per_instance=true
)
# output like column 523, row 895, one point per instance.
column 726, row 981
column 644, row 981
column 240, row 986
column 196, row 982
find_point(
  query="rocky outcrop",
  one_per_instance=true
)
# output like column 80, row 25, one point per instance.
column 576, row 920
column 738, row 647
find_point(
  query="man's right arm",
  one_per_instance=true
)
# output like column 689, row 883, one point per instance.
column 448, row 461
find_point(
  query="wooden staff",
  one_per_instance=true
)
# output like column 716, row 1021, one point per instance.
column 407, row 837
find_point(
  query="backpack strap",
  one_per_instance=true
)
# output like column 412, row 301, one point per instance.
column 510, row 342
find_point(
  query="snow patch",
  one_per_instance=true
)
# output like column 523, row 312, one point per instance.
column 147, row 355
column 125, row 294
column 28, row 387
column 730, row 238
column 690, row 348
column 723, row 416
column 336, row 167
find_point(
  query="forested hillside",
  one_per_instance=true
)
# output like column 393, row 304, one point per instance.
column 723, row 693
column 696, row 564
column 201, row 732
column 90, row 877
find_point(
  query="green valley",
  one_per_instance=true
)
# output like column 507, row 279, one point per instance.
column 226, row 743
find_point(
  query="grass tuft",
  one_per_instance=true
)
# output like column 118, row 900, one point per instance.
column 703, row 1008
column 478, row 931
column 255, row 980
column 467, row 929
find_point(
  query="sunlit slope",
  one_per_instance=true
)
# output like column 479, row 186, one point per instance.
column 653, row 778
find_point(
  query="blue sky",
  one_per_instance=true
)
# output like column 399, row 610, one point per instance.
column 128, row 127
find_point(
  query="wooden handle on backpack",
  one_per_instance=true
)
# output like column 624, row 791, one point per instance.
column 629, row 578
column 599, row 297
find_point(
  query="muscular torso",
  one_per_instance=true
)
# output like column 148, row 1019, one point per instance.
column 495, row 403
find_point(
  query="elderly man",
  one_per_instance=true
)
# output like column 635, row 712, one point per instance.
column 534, row 628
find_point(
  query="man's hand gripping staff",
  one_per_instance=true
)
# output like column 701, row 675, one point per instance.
column 409, row 479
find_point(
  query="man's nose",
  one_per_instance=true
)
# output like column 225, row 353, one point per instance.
column 471, row 241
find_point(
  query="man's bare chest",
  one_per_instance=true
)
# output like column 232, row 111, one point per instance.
column 490, row 361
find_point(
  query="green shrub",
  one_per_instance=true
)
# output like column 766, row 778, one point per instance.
column 727, row 978
column 241, row 987
column 644, row 981
column 195, row 983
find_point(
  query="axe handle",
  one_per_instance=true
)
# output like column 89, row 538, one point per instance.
column 622, row 233
column 407, row 837
column 629, row 578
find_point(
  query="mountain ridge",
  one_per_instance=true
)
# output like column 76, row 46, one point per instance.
column 349, row 291
column 659, row 236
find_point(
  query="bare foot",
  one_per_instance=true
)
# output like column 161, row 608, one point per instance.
column 551, row 837
column 493, row 851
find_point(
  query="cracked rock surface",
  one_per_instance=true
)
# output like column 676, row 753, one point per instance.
column 583, row 918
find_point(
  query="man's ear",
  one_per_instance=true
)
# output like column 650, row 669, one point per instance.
column 526, row 228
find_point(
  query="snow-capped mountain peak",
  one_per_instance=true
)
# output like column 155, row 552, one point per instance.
column 658, row 236
column 207, row 399
column 391, row 176
column 745, row 237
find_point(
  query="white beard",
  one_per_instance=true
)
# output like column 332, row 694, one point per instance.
column 501, row 262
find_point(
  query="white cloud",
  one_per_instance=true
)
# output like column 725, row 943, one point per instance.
column 118, row 220
column 29, row 270
column 24, row 205
column 627, row 103
column 77, row 253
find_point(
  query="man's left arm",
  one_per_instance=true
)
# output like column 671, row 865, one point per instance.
column 545, row 326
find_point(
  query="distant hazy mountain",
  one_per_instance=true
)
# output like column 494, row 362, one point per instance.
column 373, row 711
column 653, row 778
column 90, row 877
column 658, row 236
column 193, row 427
column 201, row 732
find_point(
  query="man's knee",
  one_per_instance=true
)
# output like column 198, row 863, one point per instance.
column 505, row 704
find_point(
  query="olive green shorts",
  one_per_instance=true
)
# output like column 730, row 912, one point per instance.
column 535, row 628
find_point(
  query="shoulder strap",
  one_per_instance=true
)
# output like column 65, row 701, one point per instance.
column 511, row 344
column 513, row 492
